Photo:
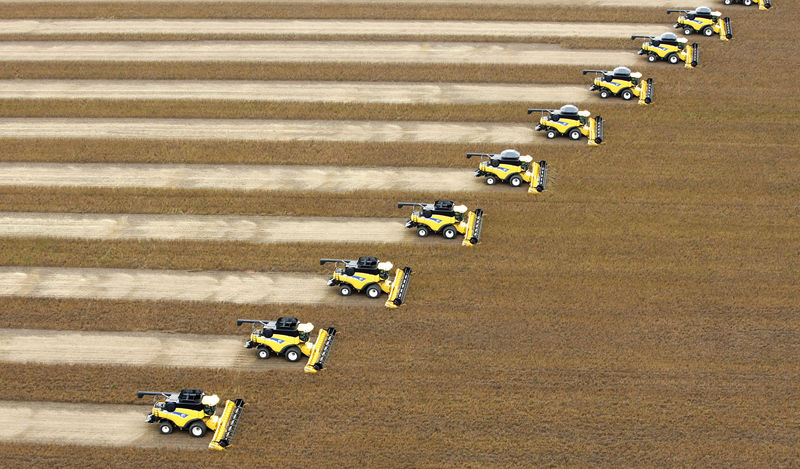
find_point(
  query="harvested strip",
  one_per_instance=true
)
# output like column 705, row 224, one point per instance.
column 140, row 284
column 270, row 130
column 238, row 177
column 311, row 51
column 133, row 349
column 573, row 4
column 86, row 424
column 295, row 91
column 204, row 227
column 234, row 27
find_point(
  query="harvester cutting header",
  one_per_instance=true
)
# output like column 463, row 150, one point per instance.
column 289, row 337
column 704, row 21
column 370, row 276
column 570, row 122
column 623, row 83
column 511, row 167
column 670, row 48
column 193, row 410
column 445, row 218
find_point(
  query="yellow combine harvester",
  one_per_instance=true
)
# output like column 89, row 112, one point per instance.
column 762, row 4
column 369, row 276
column 193, row 410
column 570, row 122
column 289, row 337
column 511, row 167
column 623, row 83
column 704, row 21
column 670, row 48
column 445, row 218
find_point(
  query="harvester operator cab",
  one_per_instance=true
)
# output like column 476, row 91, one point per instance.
column 669, row 39
column 445, row 208
column 702, row 12
column 571, row 112
column 193, row 399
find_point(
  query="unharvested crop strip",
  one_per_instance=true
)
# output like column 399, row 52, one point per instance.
column 203, row 227
column 311, row 51
column 238, row 177
column 140, row 284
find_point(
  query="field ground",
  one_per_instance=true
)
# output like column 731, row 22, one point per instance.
column 642, row 313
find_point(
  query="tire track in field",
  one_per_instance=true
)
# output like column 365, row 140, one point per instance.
column 294, row 91
column 272, row 130
column 86, row 424
column 173, row 285
column 299, row 28
column 251, row 229
column 311, row 51
column 53, row 347
column 242, row 177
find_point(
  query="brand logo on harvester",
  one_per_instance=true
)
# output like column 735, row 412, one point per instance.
column 360, row 279
column 280, row 341
column 179, row 414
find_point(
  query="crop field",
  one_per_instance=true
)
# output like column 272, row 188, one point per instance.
column 169, row 166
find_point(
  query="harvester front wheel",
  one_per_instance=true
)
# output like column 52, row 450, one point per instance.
column 727, row 2
column 491, row 180
column 345, row 290
column 373, row 291
column 673, row 58
column 262, row 353
column 708, row 31
column 449, row 232
column 423, row 231
column 515, row 180
column 651, row 57
column 292, row 354
column 574, row 134
column 627, row 94
column 604, row 93
column 165, row 427
column 747, row 3
column 551, row 133
column 687, row 30
column 197, row 429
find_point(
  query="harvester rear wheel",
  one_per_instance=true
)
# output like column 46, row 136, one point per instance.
column 708, row 31
column 515, row 180
column 262, row 353
column 604, row 93
column 423, row 231
column 165, row 427
column 345, row 290
column 449, row 232
column 197, row 429
column 627, row 94
column 373, row 291
column 673, row 58
column 651, row 57
column 292, row 354
column 491, row 180
column 574, row 134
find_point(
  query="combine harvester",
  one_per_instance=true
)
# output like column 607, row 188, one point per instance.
column 570, row 122
column 670, row 48
column 762, row 4
column 510, row 167
column 289, row 337
column 445, row 218
column 369, row 276
column 193, row 410
column 704, row 21
column 621, row 82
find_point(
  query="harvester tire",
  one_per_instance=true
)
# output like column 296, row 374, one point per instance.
column 292, row 354
column 673, row 58
column 708, row 31
column 747, row 3
column 345, row 290
column 197, row 429
column 491, row 180
column 449, row 232
column 651, row 57
column 687, row 30
column 551, row 133
column 515, row 180
column 727, row 2
column 373, row 291
column 574, row 134
column 262, row 353
column 626, row 94
column 165, row 427
column 423, row 231
column 604, row 93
